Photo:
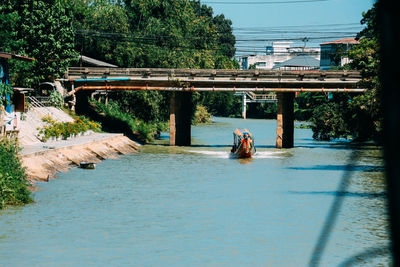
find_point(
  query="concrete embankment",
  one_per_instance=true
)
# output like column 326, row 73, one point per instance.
column 44, row 160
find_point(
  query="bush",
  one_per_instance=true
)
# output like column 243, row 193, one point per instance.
column 145, row 131
column 328, row 123
column 66, row 129
column 201, row 115
column 13, row 184
column 56, row 99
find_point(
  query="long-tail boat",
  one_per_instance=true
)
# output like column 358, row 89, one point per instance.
column 243, row 144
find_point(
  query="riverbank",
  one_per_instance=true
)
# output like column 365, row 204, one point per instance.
column 44, row 160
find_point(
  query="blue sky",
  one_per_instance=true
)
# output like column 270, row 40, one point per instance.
column 292, row 20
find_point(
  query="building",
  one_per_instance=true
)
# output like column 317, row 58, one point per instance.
column 8, row 115
column 4, row 76
column 275, row 54
column 334, row 53
column 302, row 62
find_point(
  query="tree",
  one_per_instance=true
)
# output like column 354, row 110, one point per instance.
column 42, row 30
column 147, row 33
column 226, row 39
column 359, row 116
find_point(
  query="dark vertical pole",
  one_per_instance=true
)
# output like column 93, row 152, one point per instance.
column 388, row 30
column 285, row 120
column 5, row 80
column 181, row 108
column 244, row 111
column 82, row 102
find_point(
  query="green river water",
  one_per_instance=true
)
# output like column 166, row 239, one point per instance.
column 318, row 204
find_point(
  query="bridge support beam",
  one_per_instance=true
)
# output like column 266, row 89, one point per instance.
column 244, row 111
column 180, row 118
column 285, row 120
column 81, row 104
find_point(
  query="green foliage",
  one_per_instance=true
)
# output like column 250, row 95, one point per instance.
column 226, row 39
column 145, row 131
column 5, row 90
column 159, row 34
column 358, row 116
column 42, row 30
column 305, row 104
column 66, row 129
column 201, row 115
column 130, row 33
column 221, row 103
column 13, row 184
column 148, row 106
column 327, row 122
column 146, row 33
column 56, row 99
column 8, row 22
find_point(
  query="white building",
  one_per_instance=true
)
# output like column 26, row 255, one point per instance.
column 275, row 54
column 334, row 53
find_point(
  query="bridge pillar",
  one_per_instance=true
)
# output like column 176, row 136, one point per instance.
column 180, row 118
column 82, row 102
column 244, row 111
column 285, row 120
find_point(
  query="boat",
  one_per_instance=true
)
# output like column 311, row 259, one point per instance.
column 243, row 144
column 87, row 165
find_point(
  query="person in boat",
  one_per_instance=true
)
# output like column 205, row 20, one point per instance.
column 246, row 143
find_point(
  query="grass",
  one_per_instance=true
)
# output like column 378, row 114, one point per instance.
column 13, row 179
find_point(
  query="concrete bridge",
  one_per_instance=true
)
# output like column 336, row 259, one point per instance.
column 182, row 82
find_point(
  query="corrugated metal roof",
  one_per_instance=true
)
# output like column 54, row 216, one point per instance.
column 343, row 41
column 14, row 56
column 95, row 62
column 299, row 61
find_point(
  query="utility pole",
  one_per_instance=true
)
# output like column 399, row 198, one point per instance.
column 305, row 40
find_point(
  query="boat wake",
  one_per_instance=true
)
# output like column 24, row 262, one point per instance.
column 267, row 155
column 226, row 155
column 214, row 154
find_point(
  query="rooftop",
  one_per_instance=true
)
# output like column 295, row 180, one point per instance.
column 299, row 61
column 14, row 56
column 343, row 41
column 95, row 62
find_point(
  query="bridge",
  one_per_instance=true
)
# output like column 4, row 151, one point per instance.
column 182, row 82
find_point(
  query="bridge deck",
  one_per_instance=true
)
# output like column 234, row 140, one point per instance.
column 213, row 80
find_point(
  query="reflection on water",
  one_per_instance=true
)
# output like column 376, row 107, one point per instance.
column 181, row 206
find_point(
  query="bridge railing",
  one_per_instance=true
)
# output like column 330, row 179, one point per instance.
column 213, row 80
column 96, row 72
column 254, row 96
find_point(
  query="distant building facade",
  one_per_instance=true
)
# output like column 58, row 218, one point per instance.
column 334, row 53
column 302, row 62
column 275, row 54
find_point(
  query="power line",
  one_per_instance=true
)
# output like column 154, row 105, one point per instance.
column 90, row 33
column 303, row 26
column 155, row 41
column 181, row 42
column 296, row 38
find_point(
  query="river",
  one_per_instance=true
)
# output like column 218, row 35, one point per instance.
column 320, row 202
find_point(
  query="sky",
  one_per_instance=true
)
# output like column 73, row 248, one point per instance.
column 256, row 24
